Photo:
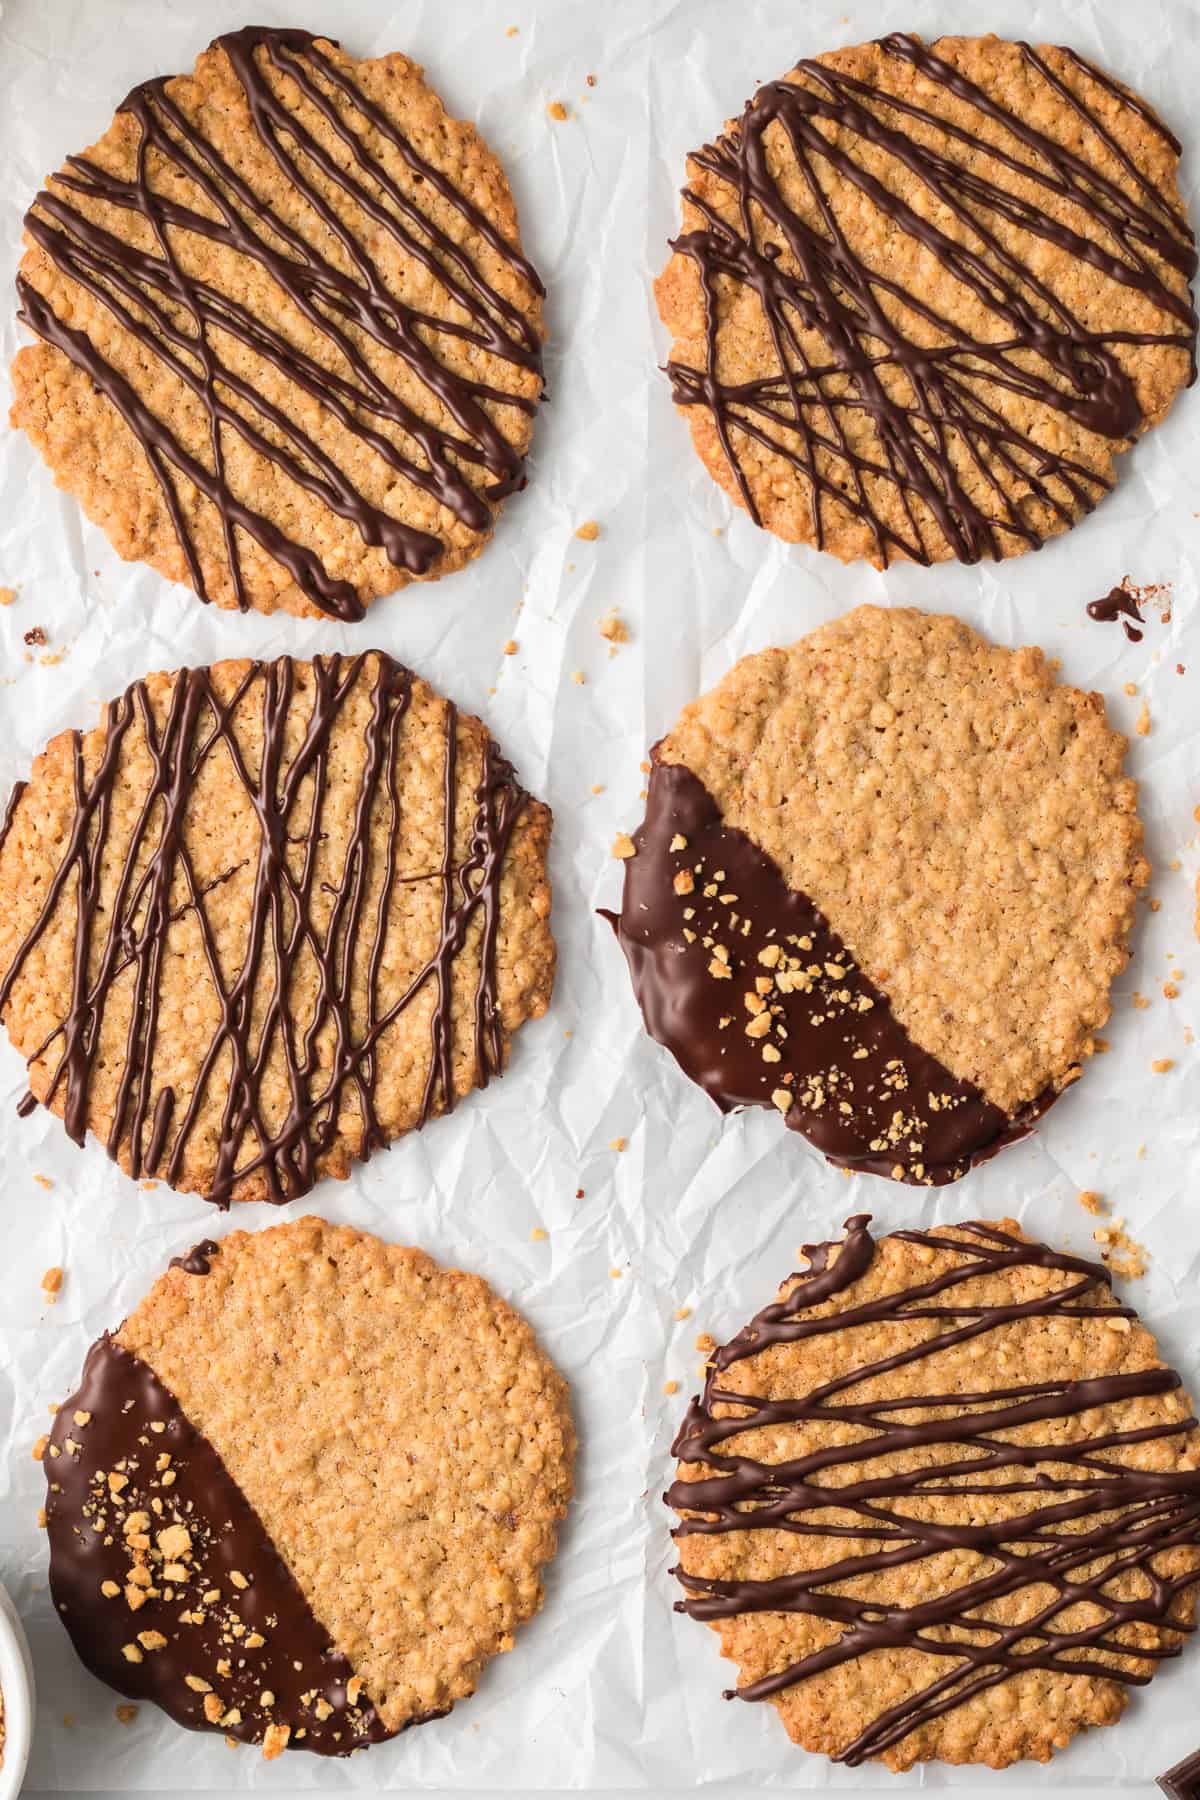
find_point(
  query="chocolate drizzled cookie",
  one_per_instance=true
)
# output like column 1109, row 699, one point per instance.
column 924, row 295
column 268, row 917
column 941, row 1499
column 290, row 349
column 884, row 882
column 238, row 1535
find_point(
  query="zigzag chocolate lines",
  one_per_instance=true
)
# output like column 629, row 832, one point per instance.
column 140, row 913
column 834, row 293
column 1131, row 1516
column 108, row 268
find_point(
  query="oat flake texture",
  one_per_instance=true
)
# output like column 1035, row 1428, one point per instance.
column 288, row 348
column 267, row 917
column 922, row 296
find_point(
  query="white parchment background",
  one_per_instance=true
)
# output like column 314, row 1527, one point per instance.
column 607, row 1688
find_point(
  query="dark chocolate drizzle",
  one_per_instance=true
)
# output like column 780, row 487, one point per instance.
column 131, row 928
column 198, row 1260
column 134, row 1423
column 1119, row 603
column 863, row 1092
column 175, row 317
column 1128, row 1516
column 1038, row 348
column 1183, row 1781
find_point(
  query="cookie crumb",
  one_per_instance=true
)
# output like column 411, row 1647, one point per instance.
column 7, row 596
column 578, row 677
column 126, row 1713
column 512, row 31
column 617, row 1143
column 589, row 531
column 706, row 1341
column 615, row 1273
column 557, row 110
column 1142, row 722
column 614, row 630
column 623, row 847
column 1162, row 1065
column 1090, row 1201
column 52, row 1282
column 44, row 1181
column 538, row 1235
column 597, row 787
column 670, row 1387
column 510, row 649
column 1121, row 1253
column 683, row 1312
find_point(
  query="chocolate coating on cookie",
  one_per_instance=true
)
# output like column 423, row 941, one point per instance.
column 335, row 191
column 198, row 1260
column 867, row 249
column 168, row 1583
column 760, row 1002
column 1072, row 1553
column 301, row 1039
column 1183, row 1781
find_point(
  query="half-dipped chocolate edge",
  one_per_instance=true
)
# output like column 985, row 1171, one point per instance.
column 168, row 1582
column 760, row 1002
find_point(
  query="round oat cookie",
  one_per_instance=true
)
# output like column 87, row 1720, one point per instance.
column 289, row 348
column 267, row 917
column 307, row 1489
column 924, row 295
column 884, row 883
column 941, row 1499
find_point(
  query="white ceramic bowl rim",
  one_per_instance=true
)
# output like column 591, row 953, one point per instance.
column 16, row 1681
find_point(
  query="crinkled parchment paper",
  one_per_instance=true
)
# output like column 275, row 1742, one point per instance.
column 608, row 1688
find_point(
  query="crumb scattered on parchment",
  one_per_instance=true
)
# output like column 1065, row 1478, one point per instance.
column 1140, row 1001
column 510, row 649
column 1090, row 1201
column 617, row 1143
column 1131, row 688
column 512, row 31
column 614, row 629
column 706, row 1342
column 589, row 531
column 1162, row 1065
column 683, row 1312
column 44, row 1181
column 623, row 846
column 1142, row 723
column 7, row 596
column 538, row 1235
column 591, row 80
column 1170, row 991
column 597, row 787
column 1121, row 1253
column 1154, row 905
column 126, row 1713
column 670, row 1387
column 1101, row 1046
column 578, row 677
column 615, row 1272
column 557, row 110
column 52, row 1282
